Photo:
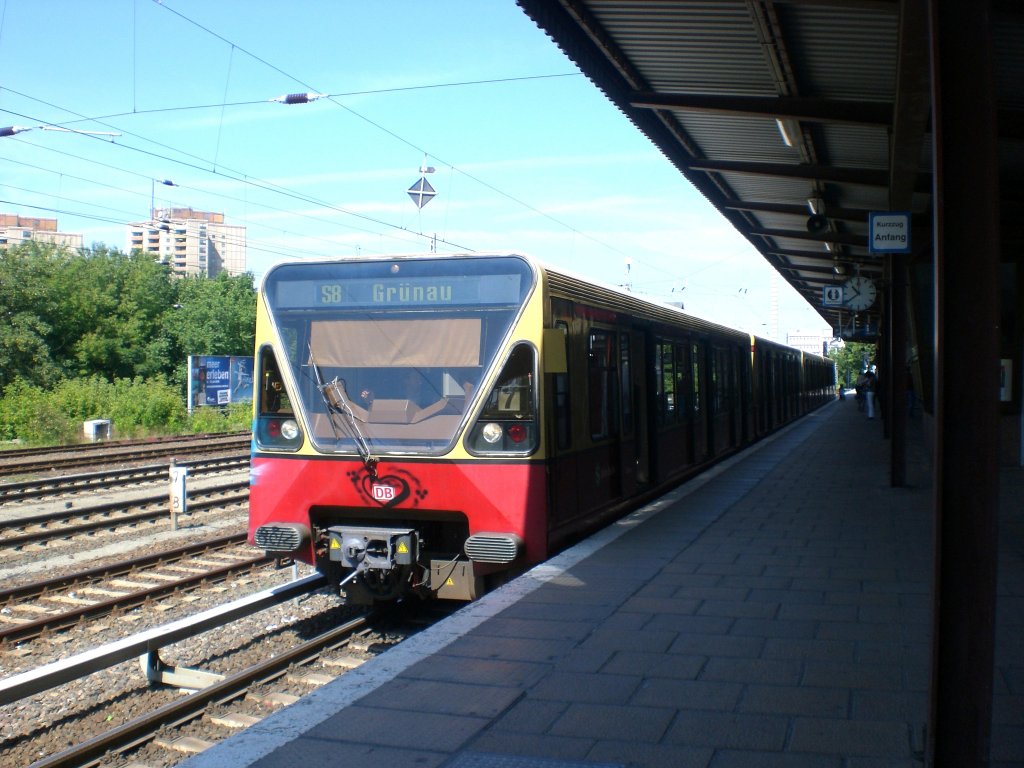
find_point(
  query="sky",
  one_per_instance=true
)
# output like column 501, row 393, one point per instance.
column 529, row 156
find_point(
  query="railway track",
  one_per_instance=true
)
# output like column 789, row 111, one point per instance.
column 261, row 671
column 164, row 728
column 21, row 462
column 103, row 445
column 43, row 607
column 18, row 533
column 43, row 488
column 62, row 615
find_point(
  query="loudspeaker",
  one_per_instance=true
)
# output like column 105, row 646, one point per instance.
column 817, row 223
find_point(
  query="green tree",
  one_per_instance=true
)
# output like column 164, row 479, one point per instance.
column 101, row 312
column 27, row 309
column 211, row 317
column 101, row 334
column 66, row 313
column 851, row 360
column 122, row 300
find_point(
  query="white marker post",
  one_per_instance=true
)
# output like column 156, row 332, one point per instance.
column 179, row 493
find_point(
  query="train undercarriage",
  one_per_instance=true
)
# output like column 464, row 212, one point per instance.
column 369, row 563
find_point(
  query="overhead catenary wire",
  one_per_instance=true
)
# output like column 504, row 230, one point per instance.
column 210, row 166
column 131, row 218
column 312, row 89
column 277, row 189
column 250, row 244
column 207, row 166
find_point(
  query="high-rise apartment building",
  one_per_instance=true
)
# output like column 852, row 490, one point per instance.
column 15, row 230
column 192, row 242
column 815, row 342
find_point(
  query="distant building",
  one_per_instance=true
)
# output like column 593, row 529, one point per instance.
column 815, row 342
column 192, row 242
column 16, row 230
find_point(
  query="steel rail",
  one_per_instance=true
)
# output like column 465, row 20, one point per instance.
column 58, row 673
column 136, row 732
column 110, row 521
column 66, row 619
column 54, row 461
column 111, row 506
column 106, row 445
column 30, row 489
column 92, row 575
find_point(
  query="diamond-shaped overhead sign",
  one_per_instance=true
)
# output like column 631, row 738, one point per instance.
column 421, row 192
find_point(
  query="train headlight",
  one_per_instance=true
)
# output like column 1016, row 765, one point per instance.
column 491, row 432
column 489, row 438
column 276, row 433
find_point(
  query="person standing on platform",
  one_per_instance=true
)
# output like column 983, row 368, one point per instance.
column 870, row 383
column 860, row 387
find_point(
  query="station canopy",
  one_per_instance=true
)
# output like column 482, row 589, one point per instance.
column 797, row 119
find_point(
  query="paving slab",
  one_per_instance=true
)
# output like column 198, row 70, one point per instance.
column 775, row 612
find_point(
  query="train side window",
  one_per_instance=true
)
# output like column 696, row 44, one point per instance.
column 603, row 385
column 626, row 383
column 668, row 395
column 512, row 394
column 273, row 397
column 507, row 423
column 695, row 362
column 563, row 410
column 717, row 382
column 682, row 386
column 274, row 427
column 659, row 383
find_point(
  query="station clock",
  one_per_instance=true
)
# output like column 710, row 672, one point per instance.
column 859, row 293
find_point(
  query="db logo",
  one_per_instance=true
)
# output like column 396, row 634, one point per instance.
column 382, row 492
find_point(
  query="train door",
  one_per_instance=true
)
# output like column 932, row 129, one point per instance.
column 684, row 398
column 727, row 400
column 635, row 436
column 720, row 400
column 701, row 406
column 604, row 411
column 744, row 389
column 564, row 457
column 770, row 393
column 723, row 399
column 735, row 395
column 669, row 420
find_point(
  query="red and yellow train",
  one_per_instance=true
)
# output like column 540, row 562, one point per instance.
column 433, row 424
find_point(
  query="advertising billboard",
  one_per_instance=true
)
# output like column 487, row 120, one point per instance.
column 219, row 380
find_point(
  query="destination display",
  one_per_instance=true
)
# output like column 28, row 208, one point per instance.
column 398, row 293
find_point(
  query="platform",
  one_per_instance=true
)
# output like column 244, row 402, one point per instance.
column 774, row 612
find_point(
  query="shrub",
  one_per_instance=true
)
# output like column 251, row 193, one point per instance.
column 32, row 415
column 236, row 417
column 85, row 398
column 136, row 408
column 146, row 406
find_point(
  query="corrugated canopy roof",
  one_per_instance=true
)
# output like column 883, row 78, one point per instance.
column 778, row 109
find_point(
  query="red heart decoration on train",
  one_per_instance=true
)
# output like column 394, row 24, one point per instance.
column 386, row 490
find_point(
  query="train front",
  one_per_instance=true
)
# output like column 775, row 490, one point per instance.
column 396, row 439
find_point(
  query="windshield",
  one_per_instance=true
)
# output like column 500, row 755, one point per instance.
column 387, row 355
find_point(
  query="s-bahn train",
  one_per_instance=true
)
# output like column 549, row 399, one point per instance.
column 434, row 424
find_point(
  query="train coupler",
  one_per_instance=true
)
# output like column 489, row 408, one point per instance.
column 379, row 549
